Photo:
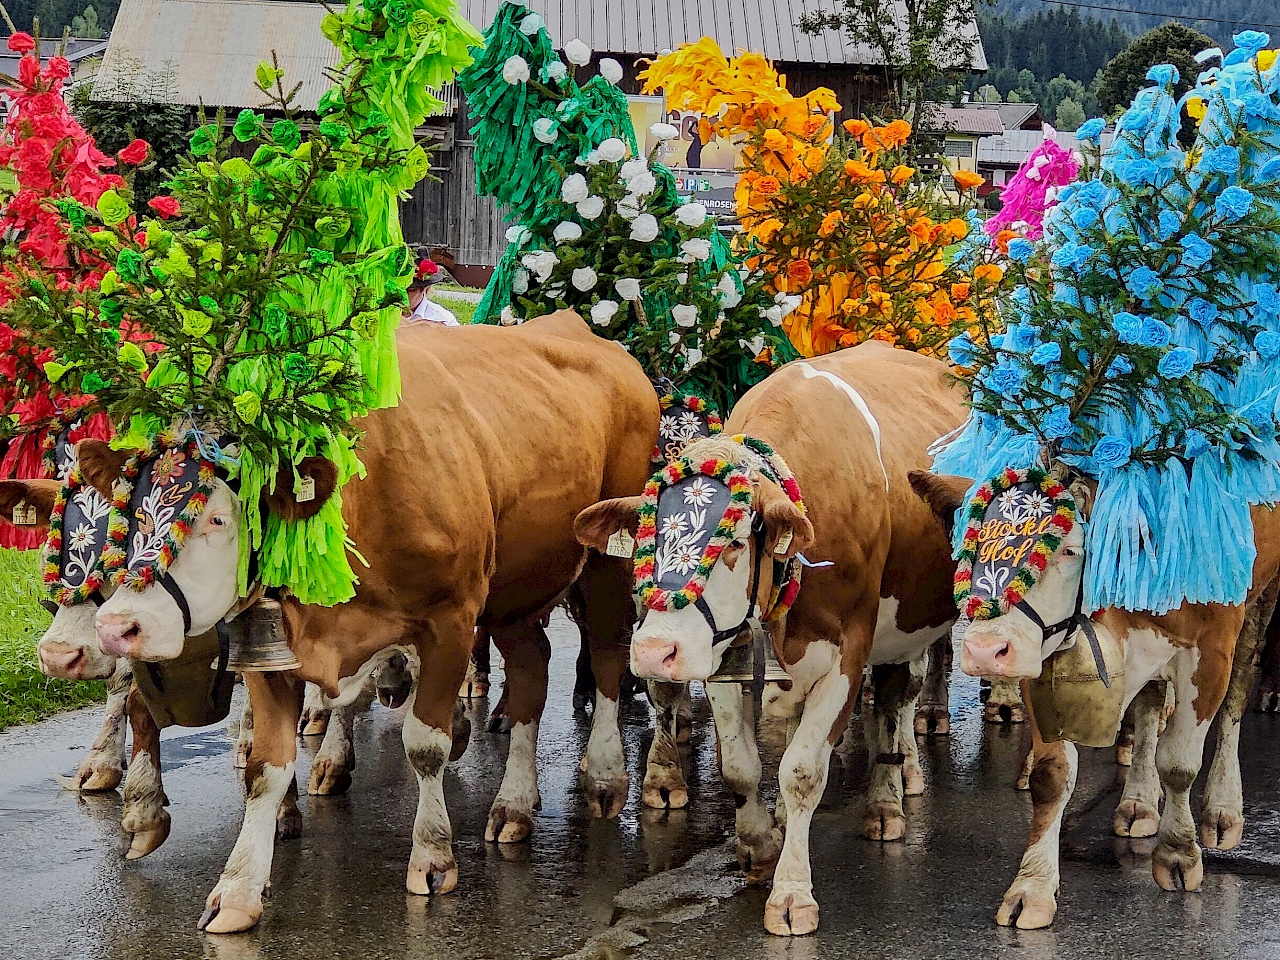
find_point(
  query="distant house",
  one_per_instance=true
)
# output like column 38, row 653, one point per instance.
column 961, row 128
column 210, row 48
column 84, row 55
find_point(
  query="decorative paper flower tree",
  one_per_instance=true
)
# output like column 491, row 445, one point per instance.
column 272, row 284
column 841, row 229
column 1143, row 344
column 602, row 234
column 48, row 158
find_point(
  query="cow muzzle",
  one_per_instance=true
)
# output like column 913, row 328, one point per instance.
column 670, row 659
column 67, row 661
column 119, row 635
column 992, row 653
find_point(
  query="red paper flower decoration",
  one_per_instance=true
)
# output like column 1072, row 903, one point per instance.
column 135, row 153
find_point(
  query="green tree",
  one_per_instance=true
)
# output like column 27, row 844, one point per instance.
column 137, row 105
column 86, row 25
column 988, row 94
column 1126, row 74
column 926, row 47
column 1070, row 115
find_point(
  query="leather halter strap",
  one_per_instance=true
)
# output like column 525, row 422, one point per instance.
column 224, row 636
column 753, row 588
column 1068, row 627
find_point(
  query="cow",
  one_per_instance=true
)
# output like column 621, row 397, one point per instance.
column 465, row 517
column 850, row 425
column 1191, row 648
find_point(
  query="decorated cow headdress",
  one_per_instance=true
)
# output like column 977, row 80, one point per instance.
column 684, row 419
column 73, row 568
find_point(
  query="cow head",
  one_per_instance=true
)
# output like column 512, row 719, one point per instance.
column 69, row 649
column 713, row 533
column 1008, row 636
column 194, row 584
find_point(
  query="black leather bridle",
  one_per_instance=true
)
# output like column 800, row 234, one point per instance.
column 1068, row 627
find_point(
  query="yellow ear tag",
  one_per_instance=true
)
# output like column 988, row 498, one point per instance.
column 621, row 544
column 305, row 490
column 783, row 543
column 20, row 514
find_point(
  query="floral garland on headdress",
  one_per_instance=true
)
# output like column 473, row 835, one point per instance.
column 692, row 403
column 61, row 592
column 1062, row 522
column 115, row 556
column 739, row 484
column 786, row 573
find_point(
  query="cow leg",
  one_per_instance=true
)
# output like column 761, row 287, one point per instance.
column 476, row 682
column 526, row 652
column 1179, row 755
column 1138, row 814
column 1032, row 900
column 605, row 614
column 1005, row 704
column 933, row 716
column 235, row 903
column 664, row 784
column 315, row 713
column 1269, row 670
column 244, row 737
column 791, row 909
column 1222, row 816
column 103, row 766
column 759, row 841
column 336, row 758
column 145, row 822
column 892, row 748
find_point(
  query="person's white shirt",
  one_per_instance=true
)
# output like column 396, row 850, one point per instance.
column 428, row 311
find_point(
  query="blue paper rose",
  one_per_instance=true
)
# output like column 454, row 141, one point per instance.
column 1177, row 363
column 1267, row 297
column 1111, row 453
column 1202, row 311
column 1196, row 251
column 1020, row 249
column 1233, row 203
column 1128, row 326
column 1224, row 160
column 1251, row 41
column 1139, row 172
column 962, row 351
column 1165, row 74
column 1020, row 337
column 1270, row 170
column 1091, row 129
column 1064, row 292
column 1170, row 223
column 1267, row 344
column 1006, row 378
column 1145, row 283
column 1046, row 354
column 1120, row 367
column 1058, row 423
column 1084, row 217
column 1155, row 333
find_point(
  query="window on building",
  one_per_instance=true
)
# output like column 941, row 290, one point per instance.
column 958, row 148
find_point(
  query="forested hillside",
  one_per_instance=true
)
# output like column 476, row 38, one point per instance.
column 1237, row 14
column 56, row 14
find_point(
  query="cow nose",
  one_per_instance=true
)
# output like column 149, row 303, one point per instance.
column 60, row 660
column 118, row 635
column 994, row 658
column 654, row 658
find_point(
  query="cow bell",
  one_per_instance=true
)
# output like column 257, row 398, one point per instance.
column 1069, row 699
column 737, row 664
column 259, row 641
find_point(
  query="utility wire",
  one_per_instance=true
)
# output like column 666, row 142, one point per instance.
column 1158, row 13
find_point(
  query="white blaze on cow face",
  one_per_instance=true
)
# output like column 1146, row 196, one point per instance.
column 677, row 645
column 69, row 649
column 1012, row 645
column 148, row 624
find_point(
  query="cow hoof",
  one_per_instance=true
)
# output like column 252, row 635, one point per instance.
column 329, row 778
column 1169, row 866
column 499, row 723
column 1221, row 829
column 1027, row 907
column 313, row 722
column 1135, row 819
column 139, row 843
column 431, row 879
column 884, row 821
column 1004, row 713
column 933, row 718
column 664, row 789
column 1268, row 701
column 98, row 773
column 791, row 915
column 289, row 823
column 507, row 825
column 912, row 781
column 759, row 856
column 606, row 799
column 240, row 759
column 476, row 685
column 219, row 917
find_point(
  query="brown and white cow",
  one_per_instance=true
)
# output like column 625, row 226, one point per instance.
column 1190, row 648
column 850, row 426
column 465, row 516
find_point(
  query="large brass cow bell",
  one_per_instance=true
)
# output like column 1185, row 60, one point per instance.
column 1069, row 699
column 738, row 663
column 259, row 641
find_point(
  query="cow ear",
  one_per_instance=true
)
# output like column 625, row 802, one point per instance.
column 100, row 466
column 33, row 493
column 781, row 517
column 303, row 499
column 943, row 493
column 600, row 521
column 1083, row 491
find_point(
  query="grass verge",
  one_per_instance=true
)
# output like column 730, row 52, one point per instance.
column 27, row 695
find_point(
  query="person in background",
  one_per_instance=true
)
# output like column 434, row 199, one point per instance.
column 422, row 309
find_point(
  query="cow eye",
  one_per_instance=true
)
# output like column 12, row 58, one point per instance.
column 217, row 521
column 1070, row 551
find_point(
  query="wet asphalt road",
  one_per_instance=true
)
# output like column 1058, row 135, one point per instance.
column 649, row 885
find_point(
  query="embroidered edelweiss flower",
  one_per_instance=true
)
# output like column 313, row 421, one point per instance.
column 700, row 493
column 81, row 537
column 685, row 559
column 168, row 467
column 1036, row 504
column 690, row 421
column 674, row 525
column 670, row 425
column 1011, row 504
